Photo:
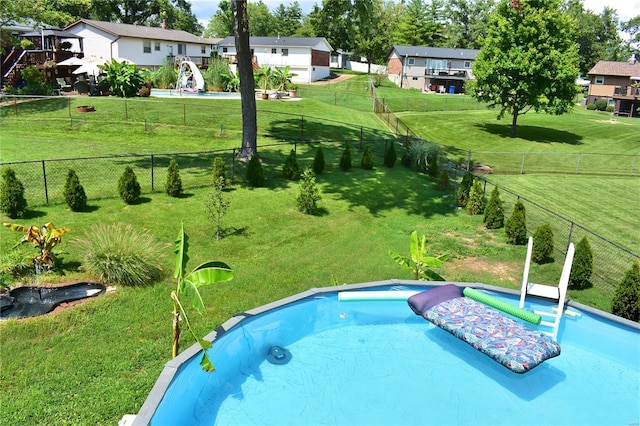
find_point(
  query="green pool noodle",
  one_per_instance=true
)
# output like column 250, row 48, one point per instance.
column 503, row 306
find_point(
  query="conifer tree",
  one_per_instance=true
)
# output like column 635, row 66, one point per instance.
column 291, row 170
column 128, row 186
column 542, row 244
column 174, row 182
column 390, row 156
column 74, row 194
column 255, row 174
column 582, row 266
column 494, row 211
column 219, row 172
column 462, row 196
column 626, row 301
column 516, row 226
column 367, row 158
column 345, row 159
column 12, row 201
column 443, row 182
column 308, row 193
column 476, row 202
column 318, row 161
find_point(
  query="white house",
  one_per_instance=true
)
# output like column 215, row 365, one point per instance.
column 436, row 69
column 308, row 57
column 147, row 47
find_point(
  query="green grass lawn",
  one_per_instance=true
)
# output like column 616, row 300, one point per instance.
column 97, row 361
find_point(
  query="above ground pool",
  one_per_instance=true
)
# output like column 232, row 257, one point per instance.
column 169, row 93
column 312, row 359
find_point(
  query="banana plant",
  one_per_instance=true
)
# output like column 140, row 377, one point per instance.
column 419, row 262
column 45, row 239
column 188, row 288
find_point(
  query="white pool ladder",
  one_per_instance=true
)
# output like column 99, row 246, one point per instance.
column 557, row 293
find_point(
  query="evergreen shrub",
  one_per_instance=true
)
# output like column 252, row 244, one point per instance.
column 12, row 201
column 443, row 182
column 494, row 211
column 582, row 266
column 291, row 170
column 601, row 104
column 255, row 173
column 542, row 244
column 345, row 159
column 609, row 108
column 367, row 158
column 219, row 172
column 74, row 193
column 128, row 186
column 390, row 155
column 318, row 161
column 516, row 226
column 626, row 300
column 591, row 107
column 432, row 168
column 476, row 199
column 462, row 196
column 174, row 182
column 308, row 193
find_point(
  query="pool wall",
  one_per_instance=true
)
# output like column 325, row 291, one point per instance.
column 172, row 367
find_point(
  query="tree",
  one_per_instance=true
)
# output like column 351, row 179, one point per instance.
column 74, row 194
column 374, row 21
column 494, row 211
column 390, row 156
column 247, row 82
column 462, row 196
column 345, row 158
column 291, row 170
column 221, row 24
column 582, row 266
column 516, row 226
column 217, row 205
column 308, row 193
column 261, row 21
column 12, row 201
column 528, row 60
column 288, row 19
column 128, row 186
column 632, row 27
column 367, row 158
column 476, row 202
column 318, row 161
column 467, row 22
column 626, row 300
column 123, row 78
column 174, row 182
column 542, row 244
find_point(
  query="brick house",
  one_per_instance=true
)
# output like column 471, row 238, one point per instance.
column 431, row 69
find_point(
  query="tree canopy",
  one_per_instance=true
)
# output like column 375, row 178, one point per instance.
column 528, row 60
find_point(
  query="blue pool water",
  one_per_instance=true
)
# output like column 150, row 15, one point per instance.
column 162, row 93
column 377, row 363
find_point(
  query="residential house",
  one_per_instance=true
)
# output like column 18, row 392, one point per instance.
column 618, row 83
column 308, row 57
column 147, row 47
column 431, row 69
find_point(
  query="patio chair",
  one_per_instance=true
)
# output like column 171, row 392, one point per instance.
column 82, row 87
column 63, row 85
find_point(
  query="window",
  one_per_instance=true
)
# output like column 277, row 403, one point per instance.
column 146, row 47
column 285, row 52
column 467, row 64
column 412, row 61
column 203, row 50
column 414, row 78
column 225, row 50
column 599, row 79
column 182, row 49
column 436, row 64
column 156, row 46
column 274, row 51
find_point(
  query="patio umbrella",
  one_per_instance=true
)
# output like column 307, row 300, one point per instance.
column 72, row 62
column 90, row 66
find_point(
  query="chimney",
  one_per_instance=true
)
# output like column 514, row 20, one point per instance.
column 164, row 24
column 632, row 59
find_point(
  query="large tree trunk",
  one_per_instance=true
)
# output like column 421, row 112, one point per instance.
column 514, row 121
column 247, row 83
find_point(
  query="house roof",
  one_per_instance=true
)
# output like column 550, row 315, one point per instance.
column 623, row 69
column 141, row 31
column 434, row 52
column 278, row 41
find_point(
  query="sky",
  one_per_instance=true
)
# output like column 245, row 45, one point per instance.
column 205, row 9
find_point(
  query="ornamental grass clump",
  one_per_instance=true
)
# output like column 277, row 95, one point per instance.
column 121, row 254
column 128, row 186
column 74, row 194
column 12, row 201
column 174, row 182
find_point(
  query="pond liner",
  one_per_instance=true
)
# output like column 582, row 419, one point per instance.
column 31, row 301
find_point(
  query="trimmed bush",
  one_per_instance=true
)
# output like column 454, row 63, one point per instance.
column 462, row 196
column 601, row 104
column 494, row 211
column 367, row 158
column 308, row 193
column 610, row 108
column 345, row 159
column 121, row 254
column 12, row 201
column 219, row 172
column 291, row 170
column 174, row 182
column 390, row 155
column 476, row 199
column 516, row 226
column 443, row 182
column 542, row 244
column 74, row 194
column 591, row 107
column 626, row 300
column 318, row 161
column 128, row 186
column 255, row 174
column 582, row 266
column 432, row 168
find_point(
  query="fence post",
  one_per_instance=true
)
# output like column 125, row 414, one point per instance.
column 46, row 189
column 578, row 164
column 69, row 108
column 524, row 154
column 153, row 163
column 15, row 105
column 570, row 234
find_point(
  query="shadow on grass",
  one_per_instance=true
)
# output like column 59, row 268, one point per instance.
column 89, row 209
column 33, row 214
column 141, row 200
column 532, row 133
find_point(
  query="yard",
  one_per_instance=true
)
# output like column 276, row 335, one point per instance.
column 96, row 361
